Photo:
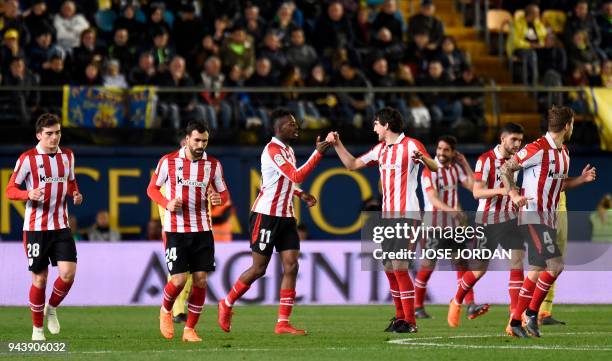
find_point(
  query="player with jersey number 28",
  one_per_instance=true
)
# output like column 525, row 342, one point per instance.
column 272, row 222
column 48, row 171
column 191, row 179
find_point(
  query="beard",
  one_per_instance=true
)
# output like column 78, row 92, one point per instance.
column 196, row 152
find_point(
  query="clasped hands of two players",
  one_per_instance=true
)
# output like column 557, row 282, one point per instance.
column 38, row 194
column 333, row 138
column 177, row 203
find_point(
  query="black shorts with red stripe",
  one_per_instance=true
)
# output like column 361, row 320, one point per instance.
column 44, row 246
column 271, row 232
column 189, row 252
column 542, row 241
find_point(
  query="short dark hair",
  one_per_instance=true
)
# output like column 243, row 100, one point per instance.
column 450, row 140
column 198, row 125
column 558, row 117
column 512, row 128
column 278, row 114
column 391, row 116
column 46, row 120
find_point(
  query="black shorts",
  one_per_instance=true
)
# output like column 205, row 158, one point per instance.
column 269, row 232
column 542, row 243
column 402, row 243
column 505, row 234
column 44, row 246
column 189, row 252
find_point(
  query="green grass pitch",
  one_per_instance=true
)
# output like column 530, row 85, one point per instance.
column 335, row 333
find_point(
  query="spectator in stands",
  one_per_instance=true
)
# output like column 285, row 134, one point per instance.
column 452, row 58
column 389, row 18
column 283, row 24
column 417, row 53
column 528, row 35
column 12, row 19
column 156, row 22
column 21, row 103
column 274, row 53
column 38, row 19
column 218, row 34
column 605, row 78
column 299, row 53
column 101, row 231
column 552, row 57
column 362, row 31
column 112, row 77
column 69, row 26
column 154, row 230
column 87, row 52
column 404, row 78
column 235, row 79
column 90, row 76
column 122, row 51
column 239, row 50
column 580, row 53
column 354, row 107
column 178, row 108
column 601, row 220
column 443, row 107
column 128, row 21
column 582, row 20
column 294, row 79
column 162, row 52
column 204, row 50
column 425, row 21
column 579, row 78
column 187, row 30
column 74, row 228
column 259, row 104
column 333, row 31
column 10, row 49
column 41, row 51
column 380, row 76
column 472, row 103
column 216, row 108
column 323, row 103
column 254, row 24
column 144, row 73
column 384, row 46
column 604, row 21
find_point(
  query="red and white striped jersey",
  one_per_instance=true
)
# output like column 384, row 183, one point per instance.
column 398, row 175
column 496, row 209
column 189, row 180
column 54, row 172
column 445, row 181
column 545, row 168
column 278, row 179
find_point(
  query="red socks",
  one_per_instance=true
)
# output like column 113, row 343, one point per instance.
column 37, row 305
column 406, row 291
column 395, row 294
column 236, row 292
column 170, row 294
column 60, row 290
column 514, row 287
column 420, row 286
column 545, row 281
column 524, row 298
column 464, row 289
column 287, row 298
column 195, row 304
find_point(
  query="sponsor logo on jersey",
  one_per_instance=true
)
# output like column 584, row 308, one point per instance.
column 189, row 183
column 553, row 175
column 390, row 166
column 45, row 179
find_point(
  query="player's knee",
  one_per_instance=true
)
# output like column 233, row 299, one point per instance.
column 179, row 280
column 67, row 276
column 40, row 281
column 200, row 283
column 555, row 268
column 259, row 271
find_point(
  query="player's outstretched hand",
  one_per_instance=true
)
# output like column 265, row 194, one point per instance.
column 460, row 158
column 417, row 156
column 588, row 174
column 309, row 199
column 77, row 198
column 214, row 198
column 519, row 200
column 37, row 194
column 332, row 138
column 322, row 146
column 175, row 204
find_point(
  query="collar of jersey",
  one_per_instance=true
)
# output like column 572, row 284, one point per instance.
column 551, row 141
column 182, row 154
column 41, row 151
column 278, row 141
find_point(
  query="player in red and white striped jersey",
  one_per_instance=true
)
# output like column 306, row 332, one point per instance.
column 191, row 179
column 398, row 158
column 48, row 173
column 442, row 209
column 497, row 214
column 546, row 164
column 272, row 223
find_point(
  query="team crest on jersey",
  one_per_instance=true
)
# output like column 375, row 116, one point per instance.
column 522, row 154
column 279, row 160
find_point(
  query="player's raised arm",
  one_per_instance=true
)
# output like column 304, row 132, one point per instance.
column 466, row 175
column 349, row 161
column 297, row 175
column 588, row 175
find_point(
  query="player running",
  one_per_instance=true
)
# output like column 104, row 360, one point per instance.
column 191, row 178
column 497, row 214
column 546, row 164
column 442, row 209
column 272, row 221
column 398, row 158
column 48, row 172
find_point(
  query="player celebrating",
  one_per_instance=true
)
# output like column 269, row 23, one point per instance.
column 191, row 179
column 442, row 209
column 498, row 216
column 545, row 163
column 398, row 158
column 272, row 222
column 48, row 171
